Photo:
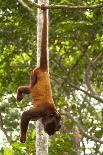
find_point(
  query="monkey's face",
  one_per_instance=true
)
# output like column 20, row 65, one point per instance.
column 51, row 123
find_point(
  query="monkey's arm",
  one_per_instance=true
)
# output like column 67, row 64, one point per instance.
column 22, row 90
column 32, row 113
column 26, row 89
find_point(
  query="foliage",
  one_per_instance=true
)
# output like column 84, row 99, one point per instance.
column 75, row 41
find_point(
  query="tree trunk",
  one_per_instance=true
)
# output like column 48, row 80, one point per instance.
column 41, row 136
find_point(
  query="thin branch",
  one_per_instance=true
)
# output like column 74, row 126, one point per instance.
column 88, row 136
column 53, row 6
column 94, row 61
column 35, row 5
column 82, row 129
column 88, row 82
column 78, row 60
column 88, row 73
column 89, row 94
column 26, row 6
column 59, row 6
column 97, row 97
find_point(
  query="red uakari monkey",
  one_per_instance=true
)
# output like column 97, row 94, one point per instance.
column 41, row 93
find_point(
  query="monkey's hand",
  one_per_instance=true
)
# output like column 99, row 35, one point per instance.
column 43, row 7
column 22, row 138
column 21, row 92
column 19, row 97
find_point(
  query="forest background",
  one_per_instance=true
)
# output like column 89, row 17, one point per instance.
column 76, row 71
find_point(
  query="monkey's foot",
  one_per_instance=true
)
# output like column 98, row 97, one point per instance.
column 22, row 138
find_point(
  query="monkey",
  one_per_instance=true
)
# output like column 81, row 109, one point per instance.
column 40, row 91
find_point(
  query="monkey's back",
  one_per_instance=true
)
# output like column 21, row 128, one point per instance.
column 41, row 92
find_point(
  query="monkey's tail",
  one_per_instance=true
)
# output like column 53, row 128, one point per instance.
column 43, row 57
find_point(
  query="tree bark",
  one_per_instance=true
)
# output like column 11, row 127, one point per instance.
column 41, row 136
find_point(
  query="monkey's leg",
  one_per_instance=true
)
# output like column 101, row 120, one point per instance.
column 22, row 90
column 32, row 113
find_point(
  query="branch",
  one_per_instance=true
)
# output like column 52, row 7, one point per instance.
column 78, row 60
column 26, row 6
column 89, row 94
column 82, row 129
column 86, row 135
column 88, row 73
column 72, row 7
column 59, row 6
column 97, row 97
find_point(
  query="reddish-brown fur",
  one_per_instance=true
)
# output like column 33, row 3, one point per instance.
column 41, row 93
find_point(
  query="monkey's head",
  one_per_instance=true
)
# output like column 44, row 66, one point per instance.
column 51, row 122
